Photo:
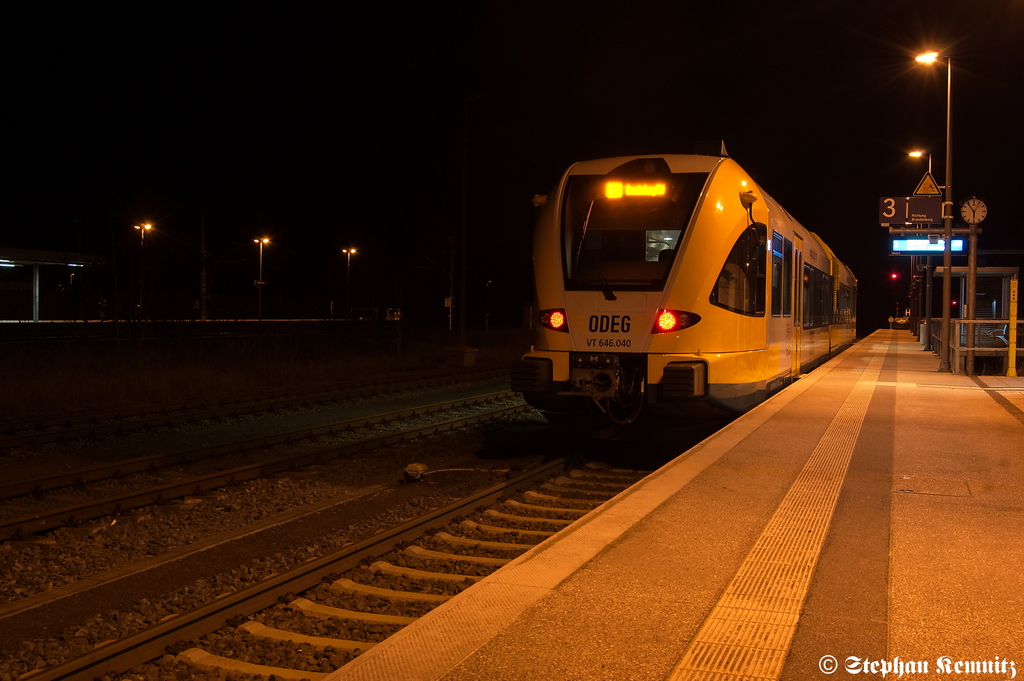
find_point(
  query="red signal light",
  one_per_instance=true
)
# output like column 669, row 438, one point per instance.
column 666, row 321
column 554, row 320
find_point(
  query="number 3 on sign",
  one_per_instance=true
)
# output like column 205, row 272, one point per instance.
column 892, row 209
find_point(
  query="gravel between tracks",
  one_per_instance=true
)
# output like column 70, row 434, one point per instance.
column 67, row 555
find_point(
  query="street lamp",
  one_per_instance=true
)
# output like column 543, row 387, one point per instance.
column 143, row 228
column 947, row 210
column 259, row 282
column 348, row 280
column 920, row 154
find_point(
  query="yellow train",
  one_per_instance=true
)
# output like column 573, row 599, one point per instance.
column 664, row 279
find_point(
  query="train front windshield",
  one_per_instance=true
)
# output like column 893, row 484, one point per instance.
column 622, row 233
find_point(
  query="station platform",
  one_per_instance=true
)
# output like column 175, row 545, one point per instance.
column 867, row 520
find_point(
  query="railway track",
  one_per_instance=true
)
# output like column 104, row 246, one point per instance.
column 353, row 598
column 53, row 511
column 61, row 428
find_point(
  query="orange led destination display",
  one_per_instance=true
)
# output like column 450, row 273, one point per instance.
column 616, row 190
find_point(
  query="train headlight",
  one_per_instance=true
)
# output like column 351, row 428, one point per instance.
column 674, row 320
column 554, row 320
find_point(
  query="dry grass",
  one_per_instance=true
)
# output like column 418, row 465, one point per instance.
column 68, row 378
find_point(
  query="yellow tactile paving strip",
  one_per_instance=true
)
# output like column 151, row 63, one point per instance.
column 750, row 629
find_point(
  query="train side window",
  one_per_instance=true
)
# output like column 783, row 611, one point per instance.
column 778, row 280
column 741, row 282
column 818, row 298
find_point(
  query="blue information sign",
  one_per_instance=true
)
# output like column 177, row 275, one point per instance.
column 911, row 246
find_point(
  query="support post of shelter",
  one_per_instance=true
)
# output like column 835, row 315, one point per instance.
column 970, row 304
column 1011, row 336
column 928, row 303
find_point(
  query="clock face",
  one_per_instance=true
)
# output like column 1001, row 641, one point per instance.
column 973, row 211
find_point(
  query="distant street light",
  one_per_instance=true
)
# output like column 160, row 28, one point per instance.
column 348, row 280
column 142, row 254
column 259, row 282
column 947, row 211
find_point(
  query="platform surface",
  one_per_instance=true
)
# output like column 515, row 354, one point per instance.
column 871, row 514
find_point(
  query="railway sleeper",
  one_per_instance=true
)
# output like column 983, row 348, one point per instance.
column 552, row 487
column 480, row 543
column 562, row 522
column 311, row 609
column 546, row 509
column 530, row 494
column 427, row 554
column 347, row 586
column 605, row 468
column 208, row 662
column 615, row 474
column 471, row 526
column 575, row 483
column 263, row 631
column 388, row 568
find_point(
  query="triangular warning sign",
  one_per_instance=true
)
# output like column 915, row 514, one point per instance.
column 927, row 186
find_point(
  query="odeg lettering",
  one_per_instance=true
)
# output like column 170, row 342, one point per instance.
column 609, row 323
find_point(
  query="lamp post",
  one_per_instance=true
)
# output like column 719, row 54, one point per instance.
column 348, row 280
column 259, row 282
column 143, row 228
column 947, row 211
column 927, row 287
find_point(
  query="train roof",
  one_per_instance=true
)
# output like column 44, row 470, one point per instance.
column 677, row 163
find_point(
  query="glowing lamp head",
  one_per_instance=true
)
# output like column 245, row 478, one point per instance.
column 927, row 58
column 667, row 321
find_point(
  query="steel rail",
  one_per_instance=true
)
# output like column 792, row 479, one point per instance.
column 145, row 463
column 125, row 420
column 47, row 520
column 120, row 656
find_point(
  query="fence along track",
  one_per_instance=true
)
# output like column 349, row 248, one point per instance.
column 126, row 420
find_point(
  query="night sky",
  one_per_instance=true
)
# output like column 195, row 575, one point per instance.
column 329, row 128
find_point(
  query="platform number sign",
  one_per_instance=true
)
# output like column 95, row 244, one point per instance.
column 909, row 210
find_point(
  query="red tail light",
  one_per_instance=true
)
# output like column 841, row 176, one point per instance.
column 673, row 320
column 554, row 320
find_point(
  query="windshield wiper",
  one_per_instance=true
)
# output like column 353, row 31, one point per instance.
column 606, row 288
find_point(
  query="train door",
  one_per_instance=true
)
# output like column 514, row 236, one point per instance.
column 780, row 331
column 796, row 284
